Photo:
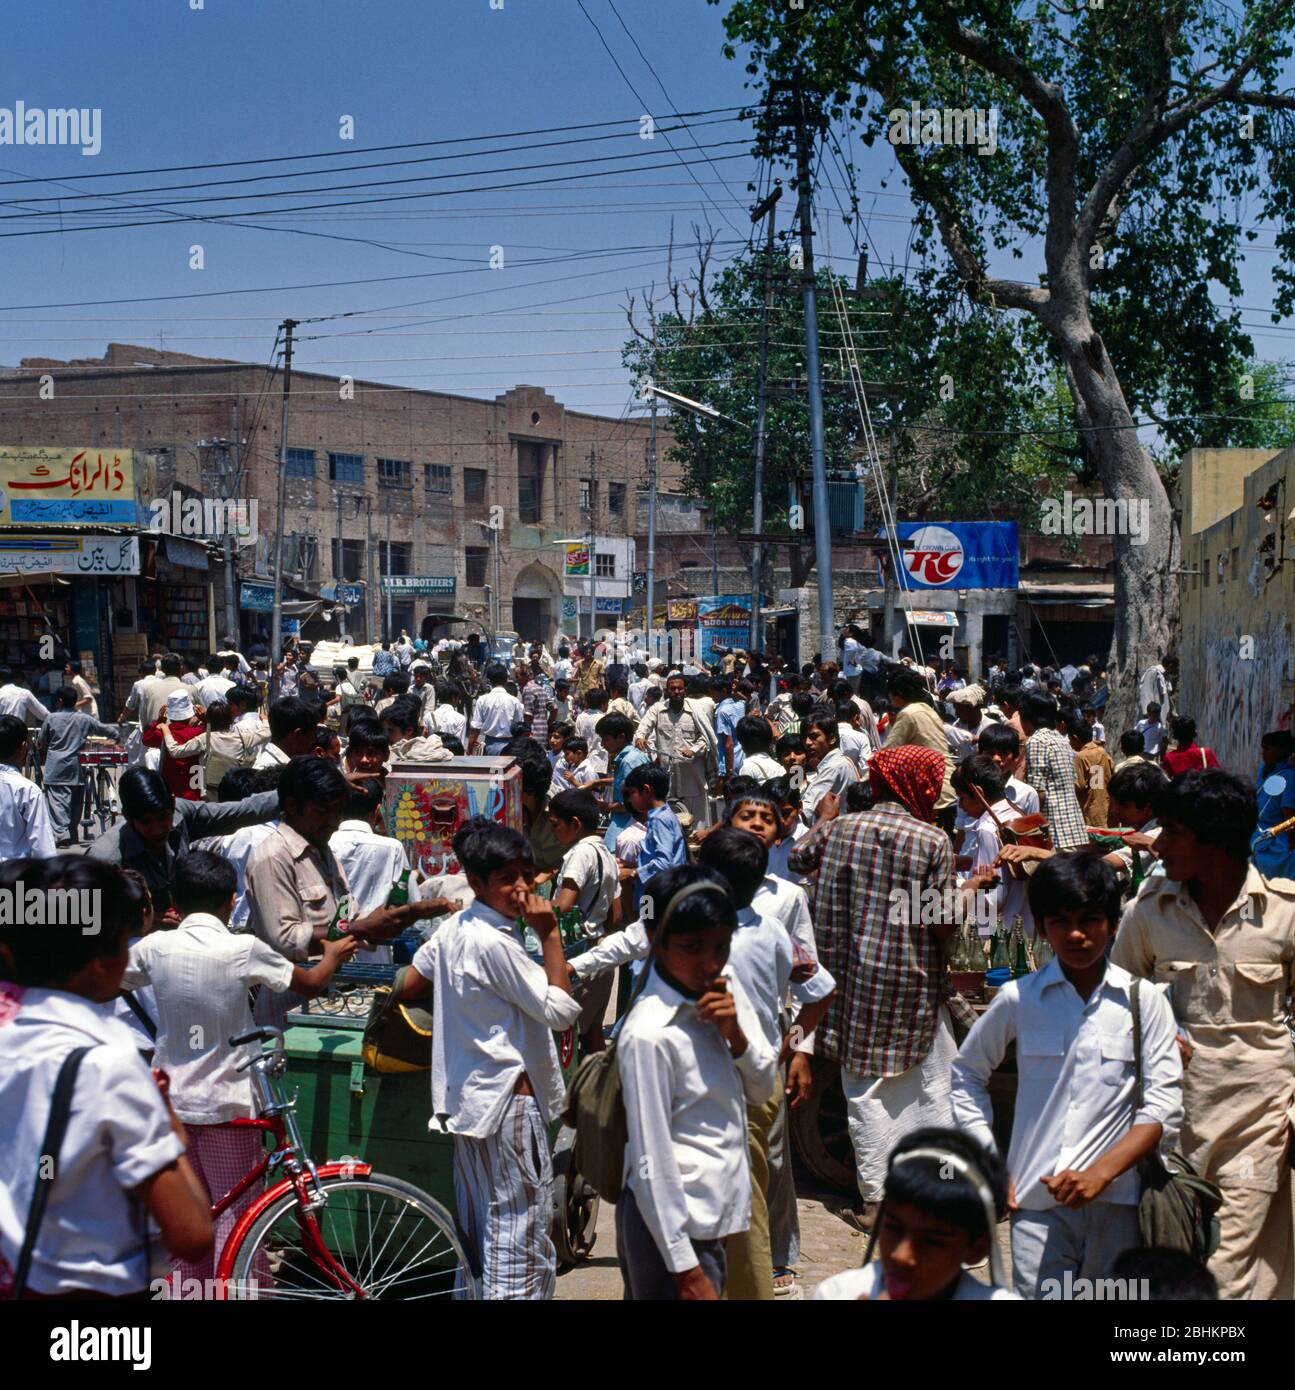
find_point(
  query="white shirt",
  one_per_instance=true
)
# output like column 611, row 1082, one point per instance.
column 579, row 776
column 564, row 669
column 760, row 958
column 636, row 692
column 1074, row 1062
column 587, row 729
column 833, row 774
column 787, row 904
column 372, row 864
column 686, row 1099
column 869, row 1282
column 780, row 853
column 200, row 974
column 25, row 828
column 495, row 713
column 762, row 767
column 270, row 756
column 119, row 1135
column 855, row 745
column 21, row 703
column 214, row 688
column 237, row 847
column 618, row 948
column 590, row 866
column 445, row 719
column 84, row 692
column 494, row 1013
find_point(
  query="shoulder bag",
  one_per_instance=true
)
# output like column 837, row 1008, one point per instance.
column 1178, row 1209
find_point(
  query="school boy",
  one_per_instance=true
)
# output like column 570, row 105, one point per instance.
column 664, row 846
column 692, row 1056
column 201, row 973
column 1076, row 1141
column 578, row 770
column 122, row 1159
column 942, row 1188
column 755, row 738
column 587, row 882
column 496, row 1079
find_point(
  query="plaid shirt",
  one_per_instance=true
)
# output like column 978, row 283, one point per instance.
column 539, row 701
column 1050, row 770
column 887, row 962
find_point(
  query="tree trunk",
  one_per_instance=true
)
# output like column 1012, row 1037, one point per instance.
column 1146, row 587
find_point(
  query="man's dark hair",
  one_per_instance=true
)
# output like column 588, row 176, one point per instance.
column 1077, row 726
column 846, row 712
column 327, row 740
column 746, row 791
column 575, row 745
column 740, row 857
column 595, row 698
column 1281, row 741
column 65, row 697
column 1039, row 708
column 1132, row 743
column 404, row 713
column 859, row 797
column 147, row 667
column 13, row 734
column 906, row 683
column 1011, row 695
column 267, row 778
column 1163, row 1275
column 202, row 882
column 1218, row 808
column 170, row 665
column 979, row 770
column 614, row 725
column 533, row 761
column 783, row 792
column 1183, row 729
column 938, row 1188
column 999, row 738
column 237, row 783
column 802, row 704
column 823, row 718
column 142, row 792
column 651, row 776
column 1074, row 880
column 496, row 673
column 241, row 695
column 292, row 715
column 364, row 800
column 48, row 953
column 451, row 744
column 396, row 684
column 576, row 805
column 1139, row 784
column 366, row 734
column 483, row 846
column 789, row 744
column 308, row 779
column 753, row 734
column 697, row 912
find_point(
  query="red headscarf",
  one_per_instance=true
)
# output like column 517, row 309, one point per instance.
column 915, row 775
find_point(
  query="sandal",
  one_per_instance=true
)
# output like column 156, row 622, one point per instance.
column 784, row 1283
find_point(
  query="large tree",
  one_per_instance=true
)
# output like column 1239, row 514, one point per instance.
column 1135, row 145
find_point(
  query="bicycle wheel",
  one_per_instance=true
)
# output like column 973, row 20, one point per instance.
column 389, row 1237
column 103, row 800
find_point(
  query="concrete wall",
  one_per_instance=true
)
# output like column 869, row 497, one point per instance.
column 1237, row 658
column 1213, row 482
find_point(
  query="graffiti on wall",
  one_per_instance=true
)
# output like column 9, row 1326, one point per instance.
column 1245, row 690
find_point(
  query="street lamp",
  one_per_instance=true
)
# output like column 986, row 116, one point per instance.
column 492, row 589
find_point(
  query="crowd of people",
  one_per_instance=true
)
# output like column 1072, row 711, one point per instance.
column 781, row 867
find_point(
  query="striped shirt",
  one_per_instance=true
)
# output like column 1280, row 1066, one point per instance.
column 539, row 702
column 876, row 867
column 1050, row 770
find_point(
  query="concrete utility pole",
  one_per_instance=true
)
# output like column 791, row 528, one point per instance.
column 593, row 537
column 650, row 625
column 817, row 446
column 391, row 636
column 276, row 622
column 338, row 567
column 372, row 598
column 765, row 209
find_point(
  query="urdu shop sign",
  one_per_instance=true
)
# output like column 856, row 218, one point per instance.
column 60, row 487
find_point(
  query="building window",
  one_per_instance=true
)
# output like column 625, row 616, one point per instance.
column 346, row 468
column 395, row 473
column 300, row 463
column 530, row 482
column 436, row 478
column 396, row 556
column 616, row 499
column 588, row 494
column 349, row 563
column 474, row 487
column 474, row 564
column 604, row 566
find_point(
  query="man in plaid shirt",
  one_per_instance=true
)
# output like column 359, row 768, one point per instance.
column 1050, row 770
column 538, row 701
column 883, row 902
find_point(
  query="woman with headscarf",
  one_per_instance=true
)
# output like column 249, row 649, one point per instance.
column 884, row 902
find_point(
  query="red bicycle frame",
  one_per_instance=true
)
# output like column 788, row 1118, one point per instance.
column 297, row 1182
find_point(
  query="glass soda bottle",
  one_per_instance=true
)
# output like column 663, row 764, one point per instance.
column 399, row 894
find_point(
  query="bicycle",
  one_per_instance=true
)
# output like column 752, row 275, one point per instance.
column 99, row 764
column 335, row 1230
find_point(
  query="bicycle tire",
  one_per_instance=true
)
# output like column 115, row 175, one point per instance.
column 447, row 1272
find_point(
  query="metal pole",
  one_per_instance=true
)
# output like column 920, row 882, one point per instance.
column 762, row 403
column 391, row 636
column 227, row 491
column 817, row 446
column 371, row 590
column 593, row 536
column 651, row 537
column 231, row 585
column 494, row 531
column 276, row 622
column 338, row 567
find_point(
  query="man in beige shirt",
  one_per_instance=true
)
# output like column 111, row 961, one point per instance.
column 1221, row 939
column 913, row 721
column 154, row 691
column 677, row 732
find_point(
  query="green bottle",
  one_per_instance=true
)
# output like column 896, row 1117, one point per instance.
column 1020, row 961
column 998, row 957
column 399, row 894
column 341, row 918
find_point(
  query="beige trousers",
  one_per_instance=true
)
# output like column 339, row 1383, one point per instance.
column 749, row 1254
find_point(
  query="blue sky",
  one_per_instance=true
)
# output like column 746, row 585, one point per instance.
column 239, row 81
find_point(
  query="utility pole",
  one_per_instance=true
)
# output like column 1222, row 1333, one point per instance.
column 276, row 623
column 593, row 537
column 650, row 625
column 231, row 560
column 386, row 575
column 767, row 209
column 813, row 371
column 494, row 532
column 338, row 567
column 372, row 599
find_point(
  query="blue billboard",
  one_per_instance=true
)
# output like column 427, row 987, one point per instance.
column 959, row 554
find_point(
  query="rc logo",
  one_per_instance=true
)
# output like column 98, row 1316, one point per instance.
column 934, row 555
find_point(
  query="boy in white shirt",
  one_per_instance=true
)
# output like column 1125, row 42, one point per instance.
column 494, row 714
column 1154, row 734
column 122, row 1157
column 1079, row 1131
column 588, row 883
column 792, row 829
column 755, row 738
column 496, row 1079
column 996, row 900
column 692, row 1056
column 201, row 974
column 578, row 768
column 1002, row 743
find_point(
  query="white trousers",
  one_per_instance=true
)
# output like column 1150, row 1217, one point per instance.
column 1053, row 1249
